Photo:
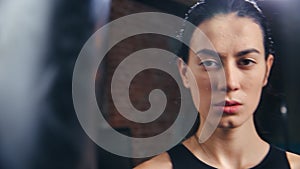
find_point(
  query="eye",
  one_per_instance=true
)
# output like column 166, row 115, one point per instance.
column 247, row 62
column 210, row 64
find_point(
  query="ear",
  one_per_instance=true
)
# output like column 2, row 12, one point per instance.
column 269, row 63
column 182, row 67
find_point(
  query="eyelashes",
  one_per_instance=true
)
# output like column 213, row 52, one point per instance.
column 247, row 62
column 210, row 64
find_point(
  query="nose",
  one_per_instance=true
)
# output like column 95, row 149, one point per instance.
column 232, row 78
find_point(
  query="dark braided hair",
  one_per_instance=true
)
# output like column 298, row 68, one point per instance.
column 207, row 9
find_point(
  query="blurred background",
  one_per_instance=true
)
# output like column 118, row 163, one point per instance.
column 39, row 45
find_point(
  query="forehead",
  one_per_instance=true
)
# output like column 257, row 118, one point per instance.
column 229, row 33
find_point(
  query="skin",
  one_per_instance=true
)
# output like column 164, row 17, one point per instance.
column 239, row 43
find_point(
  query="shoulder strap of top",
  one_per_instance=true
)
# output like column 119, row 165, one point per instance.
column 182, row 158
column 275, row 159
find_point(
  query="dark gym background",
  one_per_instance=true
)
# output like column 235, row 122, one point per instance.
column 40, row 42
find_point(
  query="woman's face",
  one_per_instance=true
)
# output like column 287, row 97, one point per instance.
column 239, row 55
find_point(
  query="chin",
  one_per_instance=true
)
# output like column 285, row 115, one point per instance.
column 228, row 124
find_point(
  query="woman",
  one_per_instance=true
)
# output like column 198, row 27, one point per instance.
column 243, row 49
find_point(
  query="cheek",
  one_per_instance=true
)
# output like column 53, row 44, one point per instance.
column 252, row 100
column 201, row 92
column 254, row 80
column 252, row 88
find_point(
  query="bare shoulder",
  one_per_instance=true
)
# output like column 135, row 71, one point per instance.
column 294, row 160
column 161, row 161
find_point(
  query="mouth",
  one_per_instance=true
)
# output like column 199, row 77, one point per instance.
column 229, row 106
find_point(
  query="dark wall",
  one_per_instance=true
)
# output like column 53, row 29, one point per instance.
column 63, row 144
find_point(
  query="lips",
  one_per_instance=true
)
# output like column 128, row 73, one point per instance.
column 229, row 106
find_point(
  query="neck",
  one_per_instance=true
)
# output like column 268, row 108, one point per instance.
column 241, row 143
column 234, row 137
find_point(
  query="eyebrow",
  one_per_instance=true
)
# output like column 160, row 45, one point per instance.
column 208, row 52
column 216, row 54
column 247, row 51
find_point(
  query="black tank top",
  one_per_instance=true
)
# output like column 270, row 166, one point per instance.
column 182, row 158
